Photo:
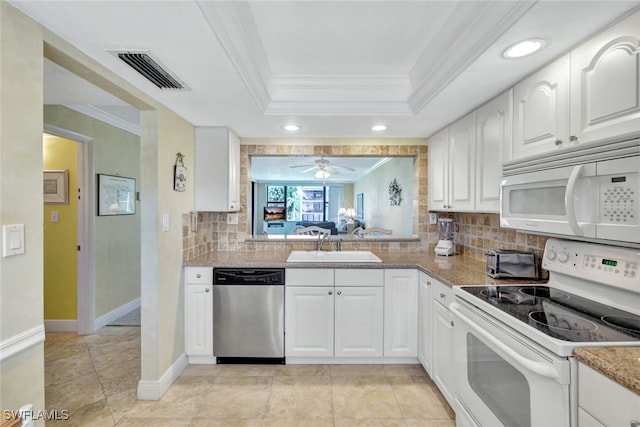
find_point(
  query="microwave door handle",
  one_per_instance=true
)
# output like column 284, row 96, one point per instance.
column 568, row 200
column 542, row 369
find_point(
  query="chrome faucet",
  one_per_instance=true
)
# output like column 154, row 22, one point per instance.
column 338, row 245
column 321, row 239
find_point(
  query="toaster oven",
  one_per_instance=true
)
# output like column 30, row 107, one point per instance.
column 507, row 263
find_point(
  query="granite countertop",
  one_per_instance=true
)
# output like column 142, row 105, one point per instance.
column 621, row 364
column 452, row 271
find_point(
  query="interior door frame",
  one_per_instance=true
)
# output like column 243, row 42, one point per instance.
column 85, row 241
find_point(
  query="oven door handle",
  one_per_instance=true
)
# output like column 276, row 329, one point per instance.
column 568, row 200
column 539, row 368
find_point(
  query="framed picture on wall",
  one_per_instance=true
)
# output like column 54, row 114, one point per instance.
column 360, row 206
column 275, row 193
column 116, row 195
column 55, row 186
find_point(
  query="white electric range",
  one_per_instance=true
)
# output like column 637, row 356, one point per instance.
column 513, row 345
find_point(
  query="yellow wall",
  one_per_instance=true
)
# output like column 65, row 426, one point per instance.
column 60, row 239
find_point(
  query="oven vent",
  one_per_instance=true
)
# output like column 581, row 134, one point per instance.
column 150, row 69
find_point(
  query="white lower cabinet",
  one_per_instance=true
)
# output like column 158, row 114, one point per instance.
column 358, row 321
column 334, row 320
column 199, row 314
column 309, row 321
column 442, row 341
column 424, row 318
column 603, row 402
column 401, row 313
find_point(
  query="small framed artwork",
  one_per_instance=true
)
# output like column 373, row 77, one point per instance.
column 360, row 206
column 116, row 195
column 275, row 193
column 55, row 186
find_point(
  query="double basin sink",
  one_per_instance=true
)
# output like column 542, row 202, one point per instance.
column 332, row 256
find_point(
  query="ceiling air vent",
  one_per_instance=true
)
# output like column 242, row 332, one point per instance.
column 150, row 68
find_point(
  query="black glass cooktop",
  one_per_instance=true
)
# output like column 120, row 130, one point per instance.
column 561, row 315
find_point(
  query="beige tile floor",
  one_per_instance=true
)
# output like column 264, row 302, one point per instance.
column 95, row 378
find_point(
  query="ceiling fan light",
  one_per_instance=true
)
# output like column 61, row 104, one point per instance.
column 523, row 48
column 322, row 174
column 291, row 127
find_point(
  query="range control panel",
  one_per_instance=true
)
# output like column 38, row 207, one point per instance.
column 609, row 265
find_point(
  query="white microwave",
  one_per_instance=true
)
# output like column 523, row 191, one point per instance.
column 592, row 200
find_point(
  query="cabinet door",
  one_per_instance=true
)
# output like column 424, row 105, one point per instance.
column 358, row 321
column 309, row 321
column 438, row 155
column 462, row 163
column 442, row 364
column 401, row 313
column 234, row 173
column 541, row 111
column 199, row 320
column 217, row 170
column 605, row 83
column 493, row 138
column 424, row 327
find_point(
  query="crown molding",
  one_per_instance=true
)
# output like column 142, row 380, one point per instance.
column 338, row 108
column 98, row 114
column 464, row 44
column 234, row 27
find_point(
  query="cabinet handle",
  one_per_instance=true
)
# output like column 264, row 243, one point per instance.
column 634, row 423
column 442, row 295
column 428, row 283
column 330, row 292
column 206, row 290
column 573, row 138
column 558, row 141
column 339, row 292
column 198, row 275
column 452, row 323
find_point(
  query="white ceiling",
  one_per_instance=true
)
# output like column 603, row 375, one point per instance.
column 334, row 67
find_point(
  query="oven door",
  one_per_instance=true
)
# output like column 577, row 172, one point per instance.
column 504, row 379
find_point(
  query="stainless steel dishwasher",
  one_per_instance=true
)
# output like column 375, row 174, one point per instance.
column 248, row 315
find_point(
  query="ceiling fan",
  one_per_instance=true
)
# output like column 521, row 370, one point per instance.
column 324, row 168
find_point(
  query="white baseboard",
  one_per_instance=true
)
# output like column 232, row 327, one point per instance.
column 352, row 360
column 155, row 389
column 105, row 319
column 202, row 360
column 20, row 342
column 53, row 325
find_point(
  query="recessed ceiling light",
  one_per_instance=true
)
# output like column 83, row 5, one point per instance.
column 291, row 128
column 523, row 48
column 378, row 128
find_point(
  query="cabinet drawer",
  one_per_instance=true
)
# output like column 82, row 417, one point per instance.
column 309, row 276
column 199, row 275
column 359, row 277
column 604, row 399
column 441, row 293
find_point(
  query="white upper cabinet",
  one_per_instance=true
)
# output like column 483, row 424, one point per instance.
column 217, row 170
column 439, row 170
column 541, row 111
column 452, row 165
column 462, row 160
column 605, row 83
column 493, row 137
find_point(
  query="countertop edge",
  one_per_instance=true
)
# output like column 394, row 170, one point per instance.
column 619, row 364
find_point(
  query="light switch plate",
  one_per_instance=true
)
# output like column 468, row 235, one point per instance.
column 54, row 216
column 165, row 222
column 12, row 240
column 433, row 218
column 232, row 218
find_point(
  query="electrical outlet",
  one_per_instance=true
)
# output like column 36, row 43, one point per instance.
column 433, row 218
column 54, row 216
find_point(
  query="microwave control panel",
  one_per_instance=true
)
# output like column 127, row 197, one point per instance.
column 619, row 199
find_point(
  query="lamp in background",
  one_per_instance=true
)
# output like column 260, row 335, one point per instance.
column 350, row 214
